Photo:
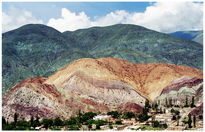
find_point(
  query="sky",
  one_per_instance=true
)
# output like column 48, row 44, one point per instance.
column 70, row 16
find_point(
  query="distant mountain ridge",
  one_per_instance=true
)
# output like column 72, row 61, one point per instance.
column 196, row 36
column 38, row 50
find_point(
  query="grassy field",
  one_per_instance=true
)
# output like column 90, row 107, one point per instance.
column 146, row 127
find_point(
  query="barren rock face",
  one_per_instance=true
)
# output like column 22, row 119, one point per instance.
column 98, row 85
column 182, row 88
column 147, row 79
column 110, row 92
column 33, row 98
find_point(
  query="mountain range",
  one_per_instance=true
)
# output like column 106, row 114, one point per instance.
column 99, row 85
column 38, row 50
column 196, row 36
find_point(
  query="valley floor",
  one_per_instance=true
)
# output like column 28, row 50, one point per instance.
column 163, row 120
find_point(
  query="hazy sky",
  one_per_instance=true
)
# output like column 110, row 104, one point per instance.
column 64, row 16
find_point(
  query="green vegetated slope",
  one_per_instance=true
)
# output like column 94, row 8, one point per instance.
column 34, row 50
column 137, row 44
column 38, row 50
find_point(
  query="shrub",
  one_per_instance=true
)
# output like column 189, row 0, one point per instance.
column 23, row 123
column 21, row 128
column 90, row 122
column 73, row 127
column 8, row 126
column 36, row 122
column 174, row 117
column 88, row 116
column 110, row 126
column 176, row 112
column 143, row 117
column 163, row 125
column 58, row 122
column 128, row 115
column 72, row 120
column 114, row 114
column 155, row 123
column 201, row 117
column 47, row 123
column 118, row 122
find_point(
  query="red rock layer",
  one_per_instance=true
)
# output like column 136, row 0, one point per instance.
column 197, row 111
column 131, row 107
column 182, row 82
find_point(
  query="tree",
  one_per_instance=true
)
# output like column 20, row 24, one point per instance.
column 178, row 117
column 110, row 126
column 128, row 115
column 72, row 120
column 31, row 121
column 170, row 102
column 114, row 114
column 144, row 116
column 164, row 125
column 58, row 122
column 174, row 117
column 189, row 121
column 192, row 102
column 200, row 117
column 186, row 102
column 158, row 103
column 118, row 122
column 166, row 102
column 99, row 123
column 3, row 121
column 88, row 116
column 24, row 124
column 160, row 111
column 47, row 123
column 194, row 121
column 155, row 106
column 79, row 113
column 147, row 105
column 90, row 122
column 155, row 123
column 172, row 110
column 8, row 126
column 36, row 122
column 15, row 118
column 176, row 112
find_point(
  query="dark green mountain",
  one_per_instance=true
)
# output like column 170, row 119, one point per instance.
column 137, row 44
column 196, row 36
column 34, row 50
column 38, row 50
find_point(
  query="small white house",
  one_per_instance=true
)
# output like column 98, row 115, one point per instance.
column 101, row 117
